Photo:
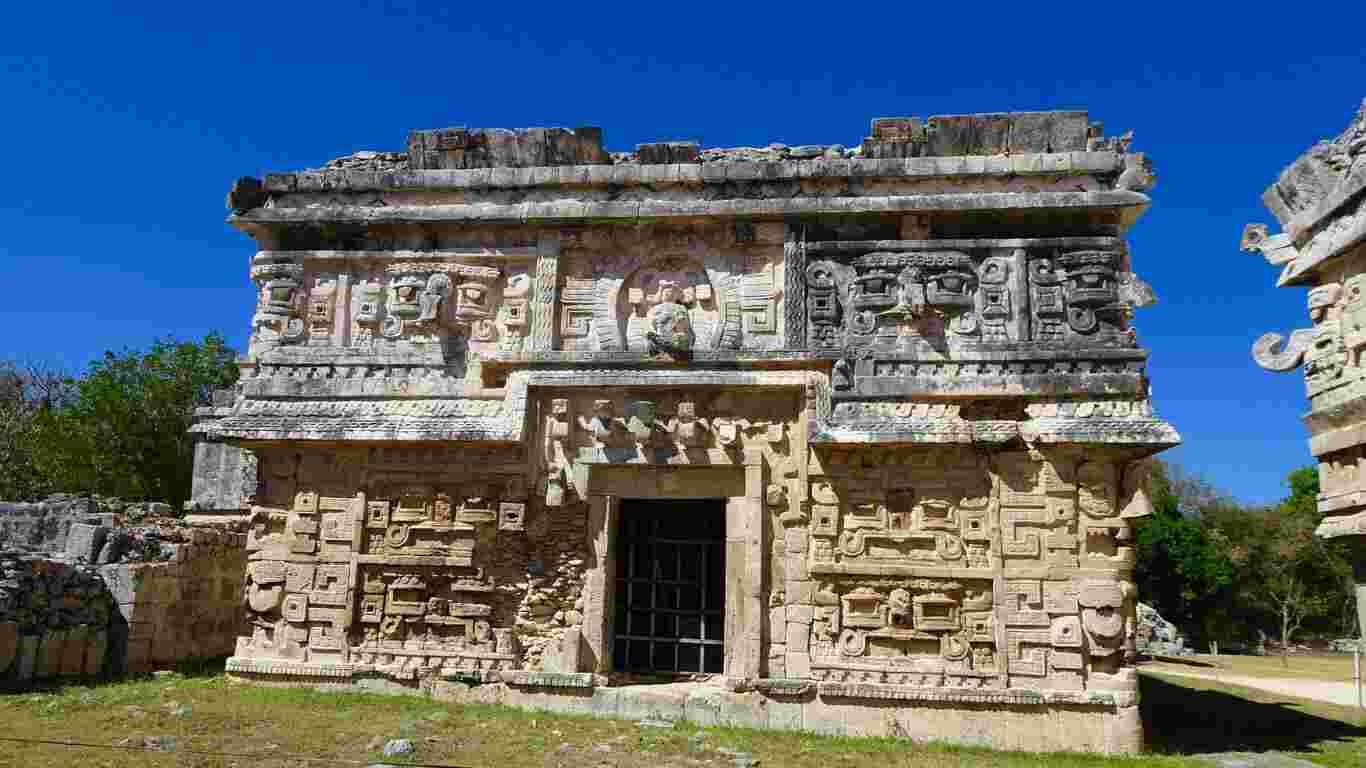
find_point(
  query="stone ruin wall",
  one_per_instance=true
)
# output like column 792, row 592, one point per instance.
column 1320, row 203
column 908, row 371
column 88, row 587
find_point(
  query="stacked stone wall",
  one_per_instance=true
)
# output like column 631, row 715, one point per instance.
column 84, row 592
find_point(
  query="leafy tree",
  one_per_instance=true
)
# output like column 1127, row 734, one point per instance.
column 1181, row 570
column 29, row 396
column 1295, row 578
column 121, row 429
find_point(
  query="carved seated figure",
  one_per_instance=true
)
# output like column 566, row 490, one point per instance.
column 669, row 326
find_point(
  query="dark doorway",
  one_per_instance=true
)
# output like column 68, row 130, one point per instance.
column 670, row 587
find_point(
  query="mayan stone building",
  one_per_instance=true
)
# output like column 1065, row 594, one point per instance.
column 854, row 432
column 1320, row 202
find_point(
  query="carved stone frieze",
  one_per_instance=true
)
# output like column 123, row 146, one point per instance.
column 888, row 410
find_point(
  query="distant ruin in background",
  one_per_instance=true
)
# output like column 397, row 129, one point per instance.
column 1320, row 202
column 854, row 432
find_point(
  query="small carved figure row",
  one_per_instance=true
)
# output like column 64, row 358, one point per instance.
column 644, row 435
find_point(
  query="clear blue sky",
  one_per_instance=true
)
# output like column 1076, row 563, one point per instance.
column 125, row 124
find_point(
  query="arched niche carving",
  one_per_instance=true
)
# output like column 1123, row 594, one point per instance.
column 664, row 289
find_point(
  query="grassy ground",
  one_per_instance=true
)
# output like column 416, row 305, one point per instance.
column 271, row 727
column 1337, row 667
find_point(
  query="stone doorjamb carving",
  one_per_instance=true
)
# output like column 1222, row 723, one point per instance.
column 741, row 485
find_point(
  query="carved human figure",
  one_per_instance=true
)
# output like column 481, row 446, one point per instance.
column 601, row 425
column 669, row 327
column 688, row 429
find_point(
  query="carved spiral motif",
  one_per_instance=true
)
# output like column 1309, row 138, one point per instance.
column 853, row 642
column 1273, row 353
column 955, row 648
column 396, row 535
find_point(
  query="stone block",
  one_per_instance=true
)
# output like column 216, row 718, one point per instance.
column 777, row 618
column 9, row 646
column 74, row 650
column 50, row 654
column 84, row 541
column 798, row 637
column 743, row 710
column 139, row 656
column 95, row 651
column 952, row 135
column 801, row 592
column 652, row 702
column 784, row 715
column 26, row 665
column 1048, row 132
column 142, row 630
column 667, row 152
column 606, row 702
column 703, row 707
column 818, row 716
column 798, row 665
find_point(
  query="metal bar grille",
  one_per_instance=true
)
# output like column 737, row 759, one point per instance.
column 670, row 591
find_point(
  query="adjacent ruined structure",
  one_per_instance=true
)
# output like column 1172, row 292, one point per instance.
column 853, row 433
column 1320, row 202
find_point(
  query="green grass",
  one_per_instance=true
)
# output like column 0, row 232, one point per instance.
column 206, row 712
column 1336, row 667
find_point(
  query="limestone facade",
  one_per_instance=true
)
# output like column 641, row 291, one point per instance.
column 904, row 376
column 1320, row 202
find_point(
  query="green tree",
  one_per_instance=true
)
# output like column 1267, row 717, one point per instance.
column 29, row 396
column 1297, row 580
column 1181, row 569
column 125, row 431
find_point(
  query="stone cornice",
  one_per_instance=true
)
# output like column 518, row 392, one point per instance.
column 573, row 210
column 628, row 175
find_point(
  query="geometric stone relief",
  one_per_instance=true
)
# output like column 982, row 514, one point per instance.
column 397, row 579
column 394, row 300
column 903, row 545
column 884, row 300
column 924, row 425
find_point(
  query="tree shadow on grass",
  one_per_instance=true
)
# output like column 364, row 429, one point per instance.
column 1177, row 719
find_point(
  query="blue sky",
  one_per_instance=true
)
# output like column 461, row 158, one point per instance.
column 126, row 123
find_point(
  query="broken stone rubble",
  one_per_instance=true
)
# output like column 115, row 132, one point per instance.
column 81, row 593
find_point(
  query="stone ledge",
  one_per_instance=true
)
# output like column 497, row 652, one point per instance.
column 1009, row 696
column 575, row 210
column 1040, row 163
column 532, row 679
column 248, row 666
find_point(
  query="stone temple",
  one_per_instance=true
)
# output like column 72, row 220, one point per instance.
column 840, row 440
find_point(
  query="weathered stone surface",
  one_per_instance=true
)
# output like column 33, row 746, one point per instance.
column 667, row 152
column 84, row 541
column 1320, row 201
column 158, row 581
column 923, row 432
column 501, row 148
